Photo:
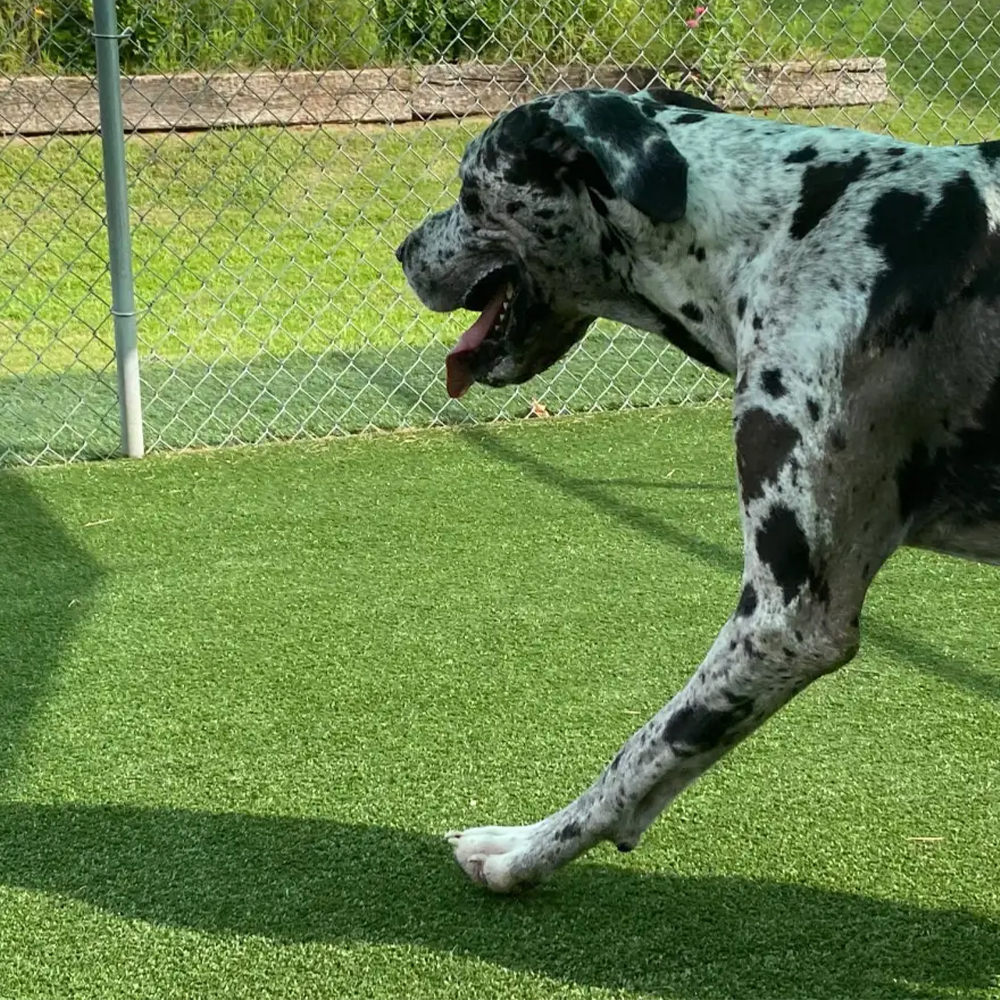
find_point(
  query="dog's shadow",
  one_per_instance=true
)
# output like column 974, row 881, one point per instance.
column 310, row 880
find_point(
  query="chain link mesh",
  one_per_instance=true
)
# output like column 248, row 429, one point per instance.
column 278, row 150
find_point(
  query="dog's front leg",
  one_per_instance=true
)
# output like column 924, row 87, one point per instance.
column 758, row 662
column 811, row 548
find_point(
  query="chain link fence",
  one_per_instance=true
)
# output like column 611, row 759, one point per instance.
column 278, row 150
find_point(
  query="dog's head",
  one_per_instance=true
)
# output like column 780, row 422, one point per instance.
column 554, row 193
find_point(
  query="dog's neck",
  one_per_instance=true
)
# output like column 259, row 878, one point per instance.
column 685, row 274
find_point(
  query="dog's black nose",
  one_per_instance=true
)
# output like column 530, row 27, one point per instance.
column 401, row 249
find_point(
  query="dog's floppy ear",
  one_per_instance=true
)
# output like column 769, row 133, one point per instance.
column 640, row 163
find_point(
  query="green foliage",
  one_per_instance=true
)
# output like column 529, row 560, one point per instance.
column 201, row 34
column 566, row 31
column 322, row 34
column 430, row 30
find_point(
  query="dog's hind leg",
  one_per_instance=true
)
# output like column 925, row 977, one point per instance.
column 819, row 519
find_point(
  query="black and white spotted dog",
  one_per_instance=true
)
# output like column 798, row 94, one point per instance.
column 851, row 284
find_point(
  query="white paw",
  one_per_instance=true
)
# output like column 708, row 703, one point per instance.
column 498, row 857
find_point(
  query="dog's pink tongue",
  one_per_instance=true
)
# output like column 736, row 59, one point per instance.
column 459, row 374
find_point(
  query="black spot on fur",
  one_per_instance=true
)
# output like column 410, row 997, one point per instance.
column 652, row 174
column 803, row 155
column 741, row 386
column 915, row 482
column 771, row 382
column 758, row 323
column 931, row 253
column 822, row 188
column 748, row 601
column 782, row 546
column 813, row 407
column 695, row 729
column 699, row 254
column 748, row 647
column 895, row 151
column 692, row 312
column 472, row 204
column 611, row 243
column 545, row 213
column 764, row 443
column 986, row 282
column 971, row 467
column 835, row 284
column 570, row 831
column 534, row 165
column 675, row 332
column 600, row 205
column 689, row 119
column 741, row 306
column 990, row 151
column 524, row 139
column 838, row 440
column 765, row 225
column 616, row 763
column 668, row 97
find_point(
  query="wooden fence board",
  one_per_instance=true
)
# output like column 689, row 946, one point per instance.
column 41, row 105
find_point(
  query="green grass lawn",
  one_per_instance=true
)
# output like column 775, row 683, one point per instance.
column 271, row 304
column 268, row 240
column 243, row 692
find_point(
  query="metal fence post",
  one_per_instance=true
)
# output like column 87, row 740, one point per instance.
column 106, row 40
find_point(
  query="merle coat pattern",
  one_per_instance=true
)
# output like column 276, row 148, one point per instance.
column 849, row 282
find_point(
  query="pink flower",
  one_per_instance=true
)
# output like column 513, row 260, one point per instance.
column 692, row 22
column 698, row 11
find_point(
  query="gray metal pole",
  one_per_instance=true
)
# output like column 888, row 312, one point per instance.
column 106, row 40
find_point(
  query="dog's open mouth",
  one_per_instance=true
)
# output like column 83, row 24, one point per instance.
column 493, row 294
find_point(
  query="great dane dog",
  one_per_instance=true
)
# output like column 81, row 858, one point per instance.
column 848, row 281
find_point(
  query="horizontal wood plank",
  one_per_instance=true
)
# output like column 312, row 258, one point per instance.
column 41, row 105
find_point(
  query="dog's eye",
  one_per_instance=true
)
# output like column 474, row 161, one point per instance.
column 471, row 203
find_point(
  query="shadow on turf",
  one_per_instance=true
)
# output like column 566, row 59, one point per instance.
column 599, row 494
column 45, row 579
column 296, row 880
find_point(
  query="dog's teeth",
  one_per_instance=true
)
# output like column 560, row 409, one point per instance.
column 504, row 306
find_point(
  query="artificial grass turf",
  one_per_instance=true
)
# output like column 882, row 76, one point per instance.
column 243, row 692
